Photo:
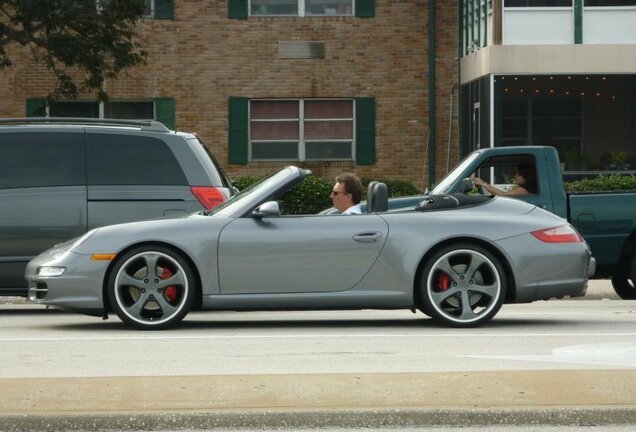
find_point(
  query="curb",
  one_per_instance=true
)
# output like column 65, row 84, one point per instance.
column 559, row 397
column 361, row 418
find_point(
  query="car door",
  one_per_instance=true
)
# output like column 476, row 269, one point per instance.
column 298, row 254
column 42, row 197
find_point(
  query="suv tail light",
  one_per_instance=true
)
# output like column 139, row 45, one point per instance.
column 208, row 196
column 560, row 234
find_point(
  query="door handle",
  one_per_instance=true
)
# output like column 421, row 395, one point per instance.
column 368, row 237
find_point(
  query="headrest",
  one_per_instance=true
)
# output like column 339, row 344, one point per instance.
column 379, row 201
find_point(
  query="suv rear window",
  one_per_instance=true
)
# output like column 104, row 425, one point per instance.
column 32, row 159
column 132, row 160
column 219, row 178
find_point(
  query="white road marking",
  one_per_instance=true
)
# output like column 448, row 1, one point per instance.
column 607, row 354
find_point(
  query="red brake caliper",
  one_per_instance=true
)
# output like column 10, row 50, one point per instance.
column 443, row 282
column 171, row 291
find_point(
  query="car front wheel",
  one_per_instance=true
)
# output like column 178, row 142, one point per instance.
column 151, row 288
column 462, row 285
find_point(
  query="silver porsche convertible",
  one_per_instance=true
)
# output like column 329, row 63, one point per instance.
column 457, row 258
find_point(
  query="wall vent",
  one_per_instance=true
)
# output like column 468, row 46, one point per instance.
column 301, row 50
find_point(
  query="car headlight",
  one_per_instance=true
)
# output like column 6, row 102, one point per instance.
column 50, row 271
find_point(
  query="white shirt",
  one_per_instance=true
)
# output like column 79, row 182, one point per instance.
column 354, row 209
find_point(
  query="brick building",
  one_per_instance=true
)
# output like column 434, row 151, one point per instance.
column 330, row 85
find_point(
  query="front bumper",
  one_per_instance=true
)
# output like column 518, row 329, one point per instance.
column 79, row 289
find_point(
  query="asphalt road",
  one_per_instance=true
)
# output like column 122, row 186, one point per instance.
column 558, row 362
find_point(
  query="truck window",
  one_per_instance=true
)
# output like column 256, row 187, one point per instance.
column 502, row 171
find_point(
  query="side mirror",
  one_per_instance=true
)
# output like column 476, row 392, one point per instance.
column 466, row 186
column 267, row 209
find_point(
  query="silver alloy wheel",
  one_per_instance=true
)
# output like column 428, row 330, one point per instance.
column 151, row 289
column 464, row 287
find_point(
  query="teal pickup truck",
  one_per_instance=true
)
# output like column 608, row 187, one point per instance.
column 606, row 220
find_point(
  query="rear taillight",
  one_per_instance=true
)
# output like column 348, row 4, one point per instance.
column 560, row 234
column 208, row 196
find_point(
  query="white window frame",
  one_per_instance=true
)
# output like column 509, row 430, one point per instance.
column 301, row 130
column 151, row 12
column 301, row 11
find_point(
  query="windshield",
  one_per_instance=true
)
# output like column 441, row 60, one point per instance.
column 265, row 183
column 451, row 178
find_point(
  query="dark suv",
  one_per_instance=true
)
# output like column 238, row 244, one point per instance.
column 62, row 177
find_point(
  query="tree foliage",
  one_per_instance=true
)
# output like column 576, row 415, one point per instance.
column 82, row 42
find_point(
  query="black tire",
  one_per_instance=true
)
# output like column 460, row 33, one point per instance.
column 156, row 300
column 462, row 285
column 625, row 286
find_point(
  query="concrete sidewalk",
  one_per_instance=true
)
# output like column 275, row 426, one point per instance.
column 449, row 398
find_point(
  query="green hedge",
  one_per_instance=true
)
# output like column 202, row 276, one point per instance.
column 312, row 195
column 396, row 188
column 615, row 182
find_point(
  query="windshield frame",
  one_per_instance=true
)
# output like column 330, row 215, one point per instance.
column 264, row 190
column 454, row 177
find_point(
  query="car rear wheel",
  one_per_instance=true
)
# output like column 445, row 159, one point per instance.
column 625, row 286
column 462, row 285
column 151, row 288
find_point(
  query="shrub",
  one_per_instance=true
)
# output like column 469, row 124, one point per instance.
column 398, row 188
column 309, row 197
column 615, row 182
column 244, row 182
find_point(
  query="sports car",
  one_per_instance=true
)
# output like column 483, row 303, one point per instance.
column 457, row 258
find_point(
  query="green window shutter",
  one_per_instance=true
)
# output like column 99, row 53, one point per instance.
column 164, row 9
column 165, row 112
column 365, row 131
column 36, row 107
column 237, row 9
column 365, row 8
column 237, row 133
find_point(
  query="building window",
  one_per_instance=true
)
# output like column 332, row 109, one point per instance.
column 556, row 122
column 136, row 110
column 149, row 6
column 73, row 109
column 129, row 110
column 306, row 129
column 300, row 7
column 537, row 3
column 604, row 3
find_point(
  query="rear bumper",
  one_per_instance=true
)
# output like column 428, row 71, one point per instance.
column 543, row 271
